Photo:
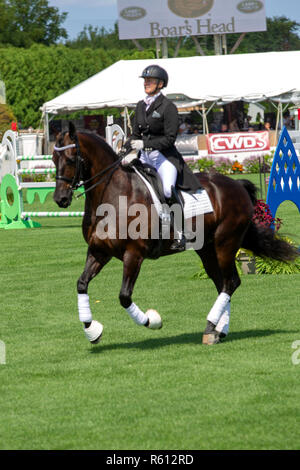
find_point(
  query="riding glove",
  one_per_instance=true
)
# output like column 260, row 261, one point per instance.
column 137, row 144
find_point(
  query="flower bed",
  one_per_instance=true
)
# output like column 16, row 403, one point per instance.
column 227, row 166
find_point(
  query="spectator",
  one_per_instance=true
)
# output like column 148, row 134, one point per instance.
column 267, row 126
column 287, row 120
column 233, row 126
column 224, row 127
column 185, row 127
column 247, row 122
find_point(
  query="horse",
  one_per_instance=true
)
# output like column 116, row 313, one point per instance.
column 85, row 159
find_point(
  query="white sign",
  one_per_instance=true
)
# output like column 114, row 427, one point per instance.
column 170, row 18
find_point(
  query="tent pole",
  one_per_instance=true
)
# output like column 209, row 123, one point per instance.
column 125, row 121
column 281, row 115
column 277, row 121
column 204, row 120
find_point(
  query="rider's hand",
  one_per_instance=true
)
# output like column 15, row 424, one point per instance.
column 128, row 159
column 137, row 145
column 125, row 161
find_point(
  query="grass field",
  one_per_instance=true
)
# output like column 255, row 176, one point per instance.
column 140, row 388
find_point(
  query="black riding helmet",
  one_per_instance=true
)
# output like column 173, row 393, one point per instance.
column 155, row 71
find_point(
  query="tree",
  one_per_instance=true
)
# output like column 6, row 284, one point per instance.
column 23, row 23
column 281, row 35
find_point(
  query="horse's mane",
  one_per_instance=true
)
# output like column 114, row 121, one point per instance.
column 100, row 141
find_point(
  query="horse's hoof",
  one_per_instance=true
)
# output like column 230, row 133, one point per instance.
column 154, row 318
column 211, row 338
column 94, row 332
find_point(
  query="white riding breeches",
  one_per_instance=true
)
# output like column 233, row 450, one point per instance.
column 164, row 167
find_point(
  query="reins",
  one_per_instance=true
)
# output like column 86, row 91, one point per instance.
column 101, row 173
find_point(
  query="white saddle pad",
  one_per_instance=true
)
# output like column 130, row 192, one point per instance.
column 194, row 204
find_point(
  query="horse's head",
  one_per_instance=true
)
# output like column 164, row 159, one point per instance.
column 66, row 158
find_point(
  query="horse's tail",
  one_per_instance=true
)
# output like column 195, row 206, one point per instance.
column 263, row 241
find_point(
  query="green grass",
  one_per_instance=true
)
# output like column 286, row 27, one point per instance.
column 140, row 388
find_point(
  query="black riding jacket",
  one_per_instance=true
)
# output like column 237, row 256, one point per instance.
column 158, row 128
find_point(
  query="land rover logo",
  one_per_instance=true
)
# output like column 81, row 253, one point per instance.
column 133, row 13
column 190, row 8
column 250, row 6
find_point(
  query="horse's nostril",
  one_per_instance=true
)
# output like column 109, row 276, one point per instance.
column 63, row 202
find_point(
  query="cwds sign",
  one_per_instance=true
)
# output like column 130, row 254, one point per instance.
column 241, row 142
column 169, row 18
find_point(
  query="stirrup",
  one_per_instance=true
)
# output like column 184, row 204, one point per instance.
column 179, row 244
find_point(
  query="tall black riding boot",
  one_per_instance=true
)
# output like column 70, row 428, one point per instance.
column 179, row 243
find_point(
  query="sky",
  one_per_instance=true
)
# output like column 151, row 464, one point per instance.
column 105, row 13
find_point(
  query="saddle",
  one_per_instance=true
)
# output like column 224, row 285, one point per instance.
column 151, row 175
column 192, row 204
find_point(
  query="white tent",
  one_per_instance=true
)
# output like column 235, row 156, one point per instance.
column 226, row 78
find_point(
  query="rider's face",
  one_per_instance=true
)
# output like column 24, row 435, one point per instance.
column 150, row 85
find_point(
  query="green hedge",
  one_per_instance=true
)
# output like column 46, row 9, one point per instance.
column 38, row 74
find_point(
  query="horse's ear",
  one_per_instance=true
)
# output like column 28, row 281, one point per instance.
column 72, row 130
column 55, row 131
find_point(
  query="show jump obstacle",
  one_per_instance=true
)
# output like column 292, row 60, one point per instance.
column 13, row 215
column 284, row 182
column 12, row 211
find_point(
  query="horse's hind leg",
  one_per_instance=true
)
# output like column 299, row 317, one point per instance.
column 132, row 262
column 220, row 266
column 92, row 329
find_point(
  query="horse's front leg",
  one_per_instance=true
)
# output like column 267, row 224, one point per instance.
column 132, row 262
column 92, row 329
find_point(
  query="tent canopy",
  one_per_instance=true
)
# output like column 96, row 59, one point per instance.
column 225, row 78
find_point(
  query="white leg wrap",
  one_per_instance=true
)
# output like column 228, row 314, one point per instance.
column 94, row 331
column 136, row 314
column 223, row 324
column 85, row 314
column 218, row 308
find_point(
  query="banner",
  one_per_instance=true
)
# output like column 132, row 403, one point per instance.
column 220, row 144
column 171, row 18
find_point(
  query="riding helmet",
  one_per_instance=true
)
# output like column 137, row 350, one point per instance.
column 155, row 71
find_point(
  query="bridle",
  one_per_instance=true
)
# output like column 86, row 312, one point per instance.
column 77, row 180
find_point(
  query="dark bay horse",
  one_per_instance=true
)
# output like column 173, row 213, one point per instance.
column 82, row 156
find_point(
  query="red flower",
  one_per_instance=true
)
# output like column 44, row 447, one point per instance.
column 263, row 216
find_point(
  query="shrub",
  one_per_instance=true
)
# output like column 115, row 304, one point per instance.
column 6, row 118
column 256, row 164
column 272, row 266
column 205, row 164
column 223, row 165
